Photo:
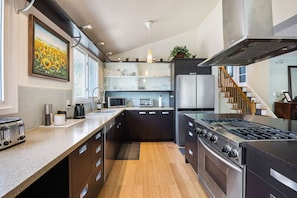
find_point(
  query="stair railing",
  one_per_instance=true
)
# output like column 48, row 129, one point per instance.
column 236, row 96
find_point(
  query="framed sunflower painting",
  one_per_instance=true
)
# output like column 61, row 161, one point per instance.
column 48, row 52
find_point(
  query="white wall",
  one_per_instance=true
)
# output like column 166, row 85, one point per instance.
column 19, row 43
column 209, row 38
column 160, row 49
column 283, row 10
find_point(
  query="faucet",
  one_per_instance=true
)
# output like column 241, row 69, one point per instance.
column 103, row 97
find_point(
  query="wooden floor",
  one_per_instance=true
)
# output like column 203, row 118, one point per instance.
column 161, row 172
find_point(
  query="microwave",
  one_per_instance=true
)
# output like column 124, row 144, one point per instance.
column 116, row 102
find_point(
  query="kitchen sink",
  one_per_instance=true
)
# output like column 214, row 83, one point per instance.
column 106, row 111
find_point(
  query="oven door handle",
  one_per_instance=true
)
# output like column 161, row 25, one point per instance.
column 219, row 157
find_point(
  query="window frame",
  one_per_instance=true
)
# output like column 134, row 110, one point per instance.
column 9, row 64
column 88, row 92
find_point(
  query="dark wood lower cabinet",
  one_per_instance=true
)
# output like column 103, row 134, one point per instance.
column 54, row 183
column 191, row 143
column 287, row 110
column 153, row 125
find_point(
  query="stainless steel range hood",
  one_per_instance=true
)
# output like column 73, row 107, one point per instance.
column 248, row 34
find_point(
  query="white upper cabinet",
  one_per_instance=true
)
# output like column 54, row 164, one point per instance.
column 123, row 76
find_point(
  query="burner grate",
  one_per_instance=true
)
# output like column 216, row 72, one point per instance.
column 259, row 133
column 250, row 130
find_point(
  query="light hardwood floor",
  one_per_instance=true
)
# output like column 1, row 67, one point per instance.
column 161, row 172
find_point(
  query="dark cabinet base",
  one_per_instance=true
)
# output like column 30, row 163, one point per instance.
column 55, row 183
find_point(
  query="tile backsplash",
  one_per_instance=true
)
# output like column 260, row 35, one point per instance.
column 31, row 103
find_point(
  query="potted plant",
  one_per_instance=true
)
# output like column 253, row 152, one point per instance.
column 180, row 52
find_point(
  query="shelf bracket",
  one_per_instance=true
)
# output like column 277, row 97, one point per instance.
column 27, row 7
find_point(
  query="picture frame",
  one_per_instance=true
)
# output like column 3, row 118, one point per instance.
column 287, row 96
column 48, row 52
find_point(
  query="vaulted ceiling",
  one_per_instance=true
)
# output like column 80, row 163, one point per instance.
column 121, row 24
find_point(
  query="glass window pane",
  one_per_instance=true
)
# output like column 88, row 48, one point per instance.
column 79, row 80
column 1, row 53
column 230, row 70
column 93, row 76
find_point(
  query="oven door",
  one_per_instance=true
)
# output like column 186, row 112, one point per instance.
column 220, row 177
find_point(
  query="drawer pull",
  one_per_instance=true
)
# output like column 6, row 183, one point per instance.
column 190, row 133
column 165, row 113
column 190, row 124
column 272, row 196
column 142, row 113
column 98, row 149
column 190, row 152
column 98, row 136
column 82, row 149
column 98, row 176
column 283, row 179
column 152, row 112
column 84, row 191
column 99, row 162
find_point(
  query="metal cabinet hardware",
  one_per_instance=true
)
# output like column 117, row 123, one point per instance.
column 190, row 133
column 283, row 179
column 152, row 112
column 142, row 113
column 98, row 136
column 165, row 113
column 84, row 191
column 82, row 149
column 190, row 124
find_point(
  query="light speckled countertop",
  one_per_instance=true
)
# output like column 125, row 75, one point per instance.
column 23, row 164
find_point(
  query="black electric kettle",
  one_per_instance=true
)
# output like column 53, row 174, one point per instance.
column 79, row 111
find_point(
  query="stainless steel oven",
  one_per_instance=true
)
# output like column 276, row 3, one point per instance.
column 220, row 177
column 221, row 162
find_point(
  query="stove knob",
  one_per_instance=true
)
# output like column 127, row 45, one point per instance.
column 204, row 132
column 5, row 143
column 214, row 139
column 226, row 148
column 233, row 153
column 199, row 131
column 209, row 135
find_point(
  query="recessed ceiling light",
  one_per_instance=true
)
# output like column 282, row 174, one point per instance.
column 109, row 53
column 84, row 27
column 101, row 43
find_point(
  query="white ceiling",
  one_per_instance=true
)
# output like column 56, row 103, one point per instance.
column 120, row 23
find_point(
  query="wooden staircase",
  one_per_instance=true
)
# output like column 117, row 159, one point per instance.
column 238, row 97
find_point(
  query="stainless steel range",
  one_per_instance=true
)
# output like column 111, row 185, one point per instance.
column 221, row 166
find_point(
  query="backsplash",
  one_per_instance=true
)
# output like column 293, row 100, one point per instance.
column 133, row 98
column 31, row 103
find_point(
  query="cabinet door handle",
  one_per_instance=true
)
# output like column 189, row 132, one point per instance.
column 82, row 149
column 84, row 191
column 98, row 176
column 98, row 149
column 152, row 112
column 190, row 152
column 98, row 136
column 190, row 124
column 283, row 179
column 98, row 163
column 165, row 113
column 190, row 133
column 142, row 113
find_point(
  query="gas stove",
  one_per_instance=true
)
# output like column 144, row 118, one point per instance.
column 226, row 134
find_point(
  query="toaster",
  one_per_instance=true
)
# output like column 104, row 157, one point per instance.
column 12, row 132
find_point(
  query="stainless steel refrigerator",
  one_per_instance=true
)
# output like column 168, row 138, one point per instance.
column 194, row 93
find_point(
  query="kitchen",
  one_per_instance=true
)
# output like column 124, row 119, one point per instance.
column 26, row 86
